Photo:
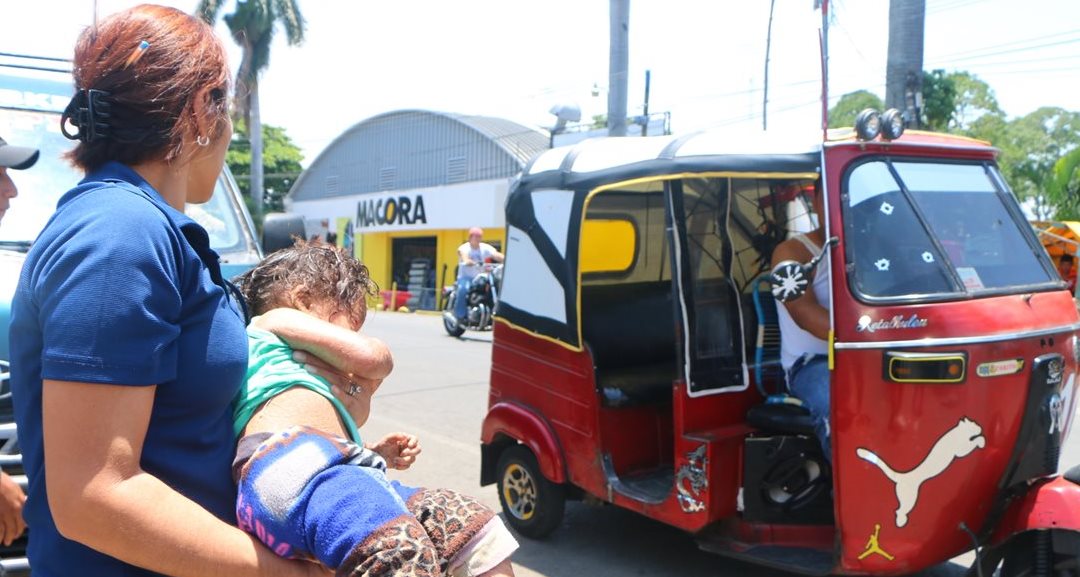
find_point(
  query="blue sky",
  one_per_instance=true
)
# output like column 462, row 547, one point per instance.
column 516, row 59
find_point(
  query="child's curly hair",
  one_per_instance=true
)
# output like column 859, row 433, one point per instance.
column 323, row 272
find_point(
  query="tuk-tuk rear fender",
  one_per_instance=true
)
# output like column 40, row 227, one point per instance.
column 510, row 421
column 1049, row 504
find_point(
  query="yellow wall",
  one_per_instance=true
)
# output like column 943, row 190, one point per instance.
column 374, row 251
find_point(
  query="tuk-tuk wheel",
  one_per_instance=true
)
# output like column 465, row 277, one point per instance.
column 1031, row 555
column 532, row 504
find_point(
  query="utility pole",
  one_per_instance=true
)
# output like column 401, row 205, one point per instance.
column 768, row 45
column 904, row 71
column 645, row 112
column 823, row 39
column 618, row 66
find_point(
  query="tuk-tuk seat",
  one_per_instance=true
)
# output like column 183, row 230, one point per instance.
column 768, row 372
column 781, row 413
column 630, row 330
column 781, row 418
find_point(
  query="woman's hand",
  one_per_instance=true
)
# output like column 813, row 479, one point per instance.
column 11, row 504
column 353, row 391
column 398, row 449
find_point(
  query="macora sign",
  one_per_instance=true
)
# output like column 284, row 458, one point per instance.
column 390, row 210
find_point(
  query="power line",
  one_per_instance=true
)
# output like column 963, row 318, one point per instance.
column 982, row 50
column 1016, row 50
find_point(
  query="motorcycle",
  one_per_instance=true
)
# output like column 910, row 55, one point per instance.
column 482, row 297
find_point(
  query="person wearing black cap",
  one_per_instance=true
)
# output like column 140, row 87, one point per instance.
column 17, row 158
column 11, row 495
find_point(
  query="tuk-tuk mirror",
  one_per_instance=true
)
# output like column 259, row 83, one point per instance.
column 790, row 278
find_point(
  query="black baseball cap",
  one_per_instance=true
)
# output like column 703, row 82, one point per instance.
column 17, row 157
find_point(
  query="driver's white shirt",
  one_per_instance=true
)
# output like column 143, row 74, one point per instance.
column 477, row 255
column 794, row 341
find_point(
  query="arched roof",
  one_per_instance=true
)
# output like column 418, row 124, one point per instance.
column 407, row 149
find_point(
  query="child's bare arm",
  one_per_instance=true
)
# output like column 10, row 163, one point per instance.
column 347, row 351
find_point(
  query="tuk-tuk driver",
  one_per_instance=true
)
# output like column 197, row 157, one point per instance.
column 804, row 326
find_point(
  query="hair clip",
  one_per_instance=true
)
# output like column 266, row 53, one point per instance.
column 137, row 54
column 88, row 112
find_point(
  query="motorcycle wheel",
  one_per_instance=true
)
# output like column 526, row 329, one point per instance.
column 532, row 504
column 449, row 321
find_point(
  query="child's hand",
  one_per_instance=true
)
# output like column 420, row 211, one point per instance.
column 398, row 449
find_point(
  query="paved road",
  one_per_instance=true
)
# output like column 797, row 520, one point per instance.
column 439, row 391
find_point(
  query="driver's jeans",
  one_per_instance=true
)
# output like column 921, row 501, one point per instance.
column 808, row 380
column 462, row 300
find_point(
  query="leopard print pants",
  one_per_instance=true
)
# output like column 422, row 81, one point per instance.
column 441, row 523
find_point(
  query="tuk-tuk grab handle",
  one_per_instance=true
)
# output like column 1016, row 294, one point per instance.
column 789, row 278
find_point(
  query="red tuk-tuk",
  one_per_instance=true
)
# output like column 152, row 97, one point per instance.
column 636, row 345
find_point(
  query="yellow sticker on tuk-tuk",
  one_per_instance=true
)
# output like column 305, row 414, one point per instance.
column 873, row 547
column 1000, row 368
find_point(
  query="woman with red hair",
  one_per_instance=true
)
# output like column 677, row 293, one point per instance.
column 130, row 346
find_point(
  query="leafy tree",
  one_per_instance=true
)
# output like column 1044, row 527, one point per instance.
column 850, row 105
column 281, row 163
column 1036, row 143
column 939, row 100
column 252, row 25
column 1063, row 190
column 974, row 99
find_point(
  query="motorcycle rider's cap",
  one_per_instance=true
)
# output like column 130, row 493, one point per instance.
column 17, row 157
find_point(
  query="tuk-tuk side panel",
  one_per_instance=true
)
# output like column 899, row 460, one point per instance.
column 637, row 438
column 717, row 422
column 557, row 383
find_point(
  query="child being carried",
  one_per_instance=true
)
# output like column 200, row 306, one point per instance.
column 308, row 486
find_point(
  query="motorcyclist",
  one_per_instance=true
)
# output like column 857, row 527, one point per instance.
column 471, row 257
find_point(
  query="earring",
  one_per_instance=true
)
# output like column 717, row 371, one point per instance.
column 202, row 141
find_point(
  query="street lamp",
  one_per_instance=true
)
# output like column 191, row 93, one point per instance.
column 568, row 112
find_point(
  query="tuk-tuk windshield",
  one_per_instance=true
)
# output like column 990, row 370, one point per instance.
column 918, row 230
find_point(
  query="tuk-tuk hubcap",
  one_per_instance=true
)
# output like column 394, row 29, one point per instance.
column 519, row 492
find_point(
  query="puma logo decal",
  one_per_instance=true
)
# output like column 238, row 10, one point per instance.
column 957, row 443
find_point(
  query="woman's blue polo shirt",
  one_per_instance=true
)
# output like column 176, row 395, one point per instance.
column 122, row 289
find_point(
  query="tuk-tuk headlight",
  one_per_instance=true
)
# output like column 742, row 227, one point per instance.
column 925, row 367
column 868, row 124
column 892, row 124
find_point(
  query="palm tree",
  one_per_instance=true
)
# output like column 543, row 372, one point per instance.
column 252, row 25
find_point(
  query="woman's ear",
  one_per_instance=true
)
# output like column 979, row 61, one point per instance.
column 207, row 123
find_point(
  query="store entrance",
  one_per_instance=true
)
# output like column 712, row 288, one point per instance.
column 413, row 270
